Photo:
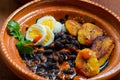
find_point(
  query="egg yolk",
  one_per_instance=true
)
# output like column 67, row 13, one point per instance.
column 34, row 32
column 49, row 23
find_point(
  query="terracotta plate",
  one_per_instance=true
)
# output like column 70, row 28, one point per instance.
column 87, row 10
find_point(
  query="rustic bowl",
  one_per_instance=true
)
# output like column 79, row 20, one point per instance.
column 88, row 10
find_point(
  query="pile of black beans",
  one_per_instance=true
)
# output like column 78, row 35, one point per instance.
column 47, row 61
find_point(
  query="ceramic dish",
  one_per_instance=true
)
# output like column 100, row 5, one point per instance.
column 27, row 14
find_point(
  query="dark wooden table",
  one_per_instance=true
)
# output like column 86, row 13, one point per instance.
column 8, row 6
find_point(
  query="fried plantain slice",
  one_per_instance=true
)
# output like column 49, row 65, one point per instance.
column 90, row 66
column 72, row 27
column 103, row 46
column 88, row 33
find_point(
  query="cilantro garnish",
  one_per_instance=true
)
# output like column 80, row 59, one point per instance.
column 14, row 29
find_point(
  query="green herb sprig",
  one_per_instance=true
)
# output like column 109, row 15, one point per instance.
column 14, row 29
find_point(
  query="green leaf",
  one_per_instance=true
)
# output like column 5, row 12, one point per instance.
column 20, row 36
column 14, row 34
column 14, row 29
column 19, row 45
column 28, row 50
column 27, row 41
column 22, row 48
column 13, row 26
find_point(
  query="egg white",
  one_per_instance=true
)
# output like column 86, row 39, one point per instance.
column 42, row 30
column 45, row 18
column 58, row 27
column 50, row 39
column 63, row 28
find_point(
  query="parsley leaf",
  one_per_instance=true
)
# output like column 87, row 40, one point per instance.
column 13, row 26
column 24, row 49
column 14, row 34
column 14, row 29
column 21, row 36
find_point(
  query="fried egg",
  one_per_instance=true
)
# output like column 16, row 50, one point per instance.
column 34, row 31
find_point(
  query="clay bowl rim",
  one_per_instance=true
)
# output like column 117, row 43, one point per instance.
column 115, row 71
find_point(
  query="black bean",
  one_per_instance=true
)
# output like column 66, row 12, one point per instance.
column 58, row 78
column 54, row 71
column 71, row 37
column 48, row 51
column 58, row 45
column 71, row 63
column 64, row 36
column 63, row 41
column 51, row 60
column 74, row 52
column 52, row 77
column 71, row 46
column 59, row 35
column 42, row 65
column 51, row 66
column 55, row 57
column 77, row 44
column 36, row 58
column 72, row 57
column 48, row 47
column 43, row 58
column 44, row 75
column 31, row 56
column 41, row 69
column 61, row 58
column 65, row 55
column 68, row 71
column 58, row 39
column 68, row 41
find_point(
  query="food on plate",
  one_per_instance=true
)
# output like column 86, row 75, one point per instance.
column 88, row 33
column 49, row 38
column 66, row 50
column 87, row 62
column 36, row 33
column 48, row 21
column 14, row 30
column 72, row 27
column 58, row 27
column 103, row 46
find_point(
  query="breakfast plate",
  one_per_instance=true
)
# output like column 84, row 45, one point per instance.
column 62, row 10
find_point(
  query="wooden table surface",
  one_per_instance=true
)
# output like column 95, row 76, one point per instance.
column 8, row 6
